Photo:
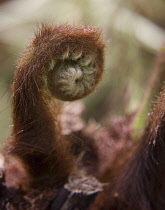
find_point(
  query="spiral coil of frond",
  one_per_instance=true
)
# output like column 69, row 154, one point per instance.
column 77, row 64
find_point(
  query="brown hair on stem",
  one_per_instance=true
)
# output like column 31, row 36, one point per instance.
column 62, row 62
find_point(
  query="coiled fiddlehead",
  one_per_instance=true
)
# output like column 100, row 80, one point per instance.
column 75, row 72
column 62, row 61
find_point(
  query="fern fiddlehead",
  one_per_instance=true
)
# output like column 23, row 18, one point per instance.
column 62, row 62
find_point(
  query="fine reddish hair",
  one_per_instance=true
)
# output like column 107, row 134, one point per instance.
column 58, row 55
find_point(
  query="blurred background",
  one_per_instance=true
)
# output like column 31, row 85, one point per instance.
column 135, row 34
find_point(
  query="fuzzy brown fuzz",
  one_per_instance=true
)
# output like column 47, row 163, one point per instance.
column 36, row 136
